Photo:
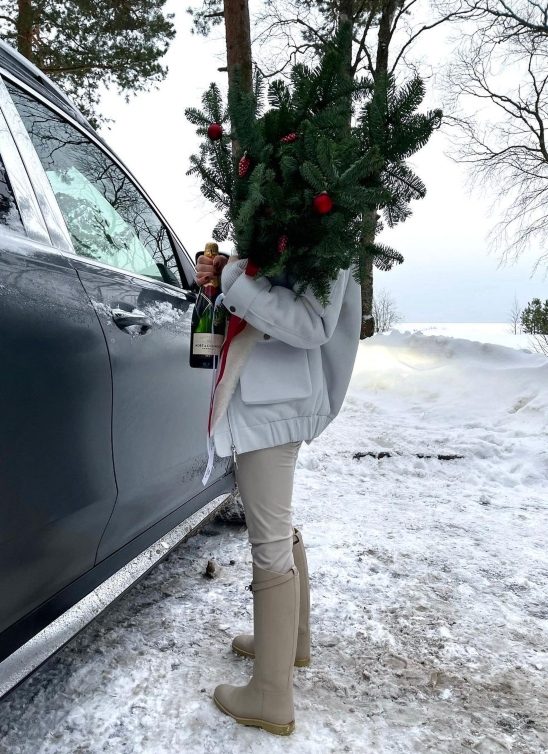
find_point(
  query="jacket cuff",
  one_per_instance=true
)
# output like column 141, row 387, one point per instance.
column 230, row 273
column 243, row 292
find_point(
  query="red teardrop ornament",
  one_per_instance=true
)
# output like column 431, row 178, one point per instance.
column 244, row 165
column 290, row 138
column 282, row 244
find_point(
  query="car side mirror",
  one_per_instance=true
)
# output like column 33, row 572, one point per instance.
column 167, row 275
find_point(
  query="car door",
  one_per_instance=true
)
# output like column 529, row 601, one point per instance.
column 57, row 485
column 125, row 258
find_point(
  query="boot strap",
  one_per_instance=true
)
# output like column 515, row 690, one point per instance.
column 281, row 579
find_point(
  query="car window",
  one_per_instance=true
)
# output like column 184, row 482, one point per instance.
column 9, row 213
column 107, row 217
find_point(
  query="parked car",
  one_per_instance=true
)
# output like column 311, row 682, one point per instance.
column 102, row 420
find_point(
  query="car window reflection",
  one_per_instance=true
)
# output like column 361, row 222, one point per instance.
column 9, row 213
column 108, row 218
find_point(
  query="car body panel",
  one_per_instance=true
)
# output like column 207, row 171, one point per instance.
column 57, row 483
column 159, row 402
column 84, row 400
column 19, row 633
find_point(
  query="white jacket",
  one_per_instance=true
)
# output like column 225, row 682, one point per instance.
column 287, row 373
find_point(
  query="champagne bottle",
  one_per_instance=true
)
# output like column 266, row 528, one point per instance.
column 207, row 334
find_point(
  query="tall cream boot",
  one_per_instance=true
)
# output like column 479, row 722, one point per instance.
column 243, row 644
column 267, row 700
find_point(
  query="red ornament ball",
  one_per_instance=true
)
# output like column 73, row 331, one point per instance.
column 244, row 165
column 289, row 139
column 214, row 131
column 323, row 203
column 282, row 244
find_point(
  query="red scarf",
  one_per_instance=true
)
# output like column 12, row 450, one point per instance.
column 235, row 326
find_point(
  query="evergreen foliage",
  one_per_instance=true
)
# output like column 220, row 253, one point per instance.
column 534, row 318
column 213, row 164
column 83, row 44
column 210, row 14
column 361, row 167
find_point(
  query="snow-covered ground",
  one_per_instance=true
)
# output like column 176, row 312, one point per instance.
column 429, row 585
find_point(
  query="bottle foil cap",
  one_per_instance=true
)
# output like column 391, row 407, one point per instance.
column 211, row 249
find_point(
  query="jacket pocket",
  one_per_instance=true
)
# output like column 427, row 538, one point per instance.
column 275, row 372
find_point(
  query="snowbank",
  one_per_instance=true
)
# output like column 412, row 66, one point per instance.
column 500, row 333
column 487, row 401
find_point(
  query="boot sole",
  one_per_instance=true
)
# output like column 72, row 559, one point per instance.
column 275, row 728
column 249, row 655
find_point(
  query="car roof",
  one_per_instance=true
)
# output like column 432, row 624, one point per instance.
column 15, row 63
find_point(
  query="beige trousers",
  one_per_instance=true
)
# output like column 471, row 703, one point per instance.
column 265, row 482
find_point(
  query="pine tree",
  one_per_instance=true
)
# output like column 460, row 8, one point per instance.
column 82, row 44
column 306, row 180
column 534, row 318
column 390, row 124
column 209, row 15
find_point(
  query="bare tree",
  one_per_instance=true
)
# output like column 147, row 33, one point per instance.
column 515, row 316
column 385, row 311
column 498, row 108
column 539, row 343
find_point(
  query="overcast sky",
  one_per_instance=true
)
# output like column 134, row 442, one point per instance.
column 448, row 275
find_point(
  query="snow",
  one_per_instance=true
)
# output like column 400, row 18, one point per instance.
column 429, row 597
column 163, row 314
column 500, row 333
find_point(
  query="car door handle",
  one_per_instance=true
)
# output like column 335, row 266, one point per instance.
column 126, row 319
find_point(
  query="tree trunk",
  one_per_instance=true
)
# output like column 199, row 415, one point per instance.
column 388, row 10
column 24, row 26
column 367, row 329
column 385, row 36
column 238, row 41
column 346, row 11
column 238, row 50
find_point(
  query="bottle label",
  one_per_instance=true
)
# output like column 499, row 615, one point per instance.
column 207, row 344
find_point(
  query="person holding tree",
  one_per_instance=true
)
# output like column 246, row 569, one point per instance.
column 285, row 378
column 292, row 297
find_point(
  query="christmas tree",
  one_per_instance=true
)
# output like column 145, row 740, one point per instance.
column 310, row 166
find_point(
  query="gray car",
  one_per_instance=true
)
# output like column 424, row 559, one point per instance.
column 102, row 420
